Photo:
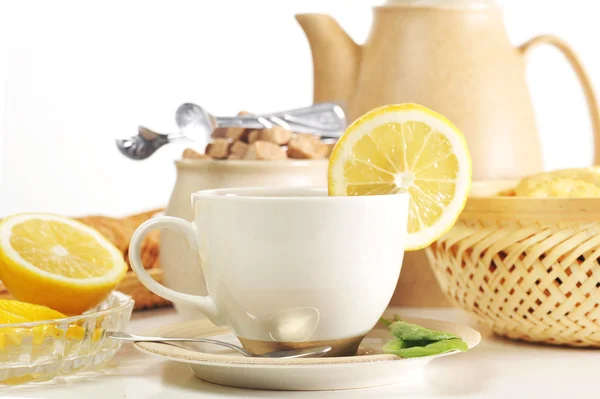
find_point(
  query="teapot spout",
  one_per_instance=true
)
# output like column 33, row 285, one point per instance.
column 336, row 58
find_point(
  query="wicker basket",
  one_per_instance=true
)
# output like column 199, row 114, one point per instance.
column 527, row 267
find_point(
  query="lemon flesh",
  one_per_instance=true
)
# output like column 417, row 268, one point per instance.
column 57, row 262
column 12, row 311
column 406, row 148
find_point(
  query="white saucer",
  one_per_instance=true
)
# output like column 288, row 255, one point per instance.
column 370, row 368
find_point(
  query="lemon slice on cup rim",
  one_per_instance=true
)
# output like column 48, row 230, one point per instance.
column 406, row 147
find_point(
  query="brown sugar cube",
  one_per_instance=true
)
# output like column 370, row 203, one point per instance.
column 218, row 149
column 238, row 133
column 238, row 150
column 188, row 153
column 314, row 140
column 299, row 148
column 276, row 135
column 219, row 133
column 253, row 136
column 263, row 150
column 323, row 150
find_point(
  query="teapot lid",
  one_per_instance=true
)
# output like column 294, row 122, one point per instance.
column 443, row 3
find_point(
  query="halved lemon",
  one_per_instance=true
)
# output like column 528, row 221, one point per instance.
column 57, row 262
column 408, row 148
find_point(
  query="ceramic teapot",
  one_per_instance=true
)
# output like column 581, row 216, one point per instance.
column 453, row 56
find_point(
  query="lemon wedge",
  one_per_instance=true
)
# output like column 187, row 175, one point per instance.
column 408, row 148
column 57, row 262
column 12, row 311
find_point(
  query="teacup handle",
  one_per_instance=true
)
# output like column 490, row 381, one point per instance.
column 188, row 230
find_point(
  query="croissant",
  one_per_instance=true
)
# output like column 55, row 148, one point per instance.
column 119, row 232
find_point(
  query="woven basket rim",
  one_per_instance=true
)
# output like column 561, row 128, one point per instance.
column 485, row 204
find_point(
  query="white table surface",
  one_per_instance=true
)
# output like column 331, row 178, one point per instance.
column 497, row 368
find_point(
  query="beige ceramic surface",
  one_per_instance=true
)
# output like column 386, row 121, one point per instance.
column 181, row 271
column 368, row 369
column 455, row 58
column 457, row 61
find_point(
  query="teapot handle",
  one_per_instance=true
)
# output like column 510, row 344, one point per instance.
column 588, row 90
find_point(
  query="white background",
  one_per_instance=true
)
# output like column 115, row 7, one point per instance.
column 77, row 74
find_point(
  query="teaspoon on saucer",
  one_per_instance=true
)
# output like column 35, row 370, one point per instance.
column 284, row 354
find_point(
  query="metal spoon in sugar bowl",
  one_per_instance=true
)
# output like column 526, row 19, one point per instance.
column 326, row 120
column 285, row 354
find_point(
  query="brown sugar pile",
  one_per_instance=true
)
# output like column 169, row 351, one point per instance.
column 272, row 144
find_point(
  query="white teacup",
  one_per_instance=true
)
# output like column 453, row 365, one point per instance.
column 290, row 267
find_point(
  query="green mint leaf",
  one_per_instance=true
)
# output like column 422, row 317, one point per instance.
column 397, row 344
column 409, row 349
column 385, row 322
column 412, row 332
column 394, row 346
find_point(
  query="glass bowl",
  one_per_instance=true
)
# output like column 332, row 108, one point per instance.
column 40, row 351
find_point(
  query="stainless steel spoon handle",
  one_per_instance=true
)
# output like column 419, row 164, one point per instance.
column 326, row 120
column 287, row 354
column 327, row 116
column 123, row 336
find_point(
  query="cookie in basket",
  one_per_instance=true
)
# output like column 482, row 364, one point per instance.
column 566, row 183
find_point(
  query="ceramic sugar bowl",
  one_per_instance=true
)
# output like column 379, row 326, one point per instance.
column 182, row 270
